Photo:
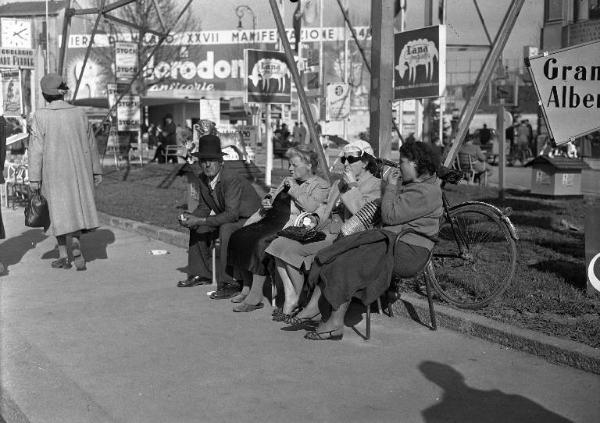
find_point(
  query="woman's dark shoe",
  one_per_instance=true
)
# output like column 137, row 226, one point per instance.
column 330, row 335
column 61, row 263
column 78, row 256
column 277, row 312
column 194, row 281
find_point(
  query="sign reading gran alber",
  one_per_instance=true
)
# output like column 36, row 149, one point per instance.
column 567, row 82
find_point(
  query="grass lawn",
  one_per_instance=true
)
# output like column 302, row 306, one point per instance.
column 547, row 293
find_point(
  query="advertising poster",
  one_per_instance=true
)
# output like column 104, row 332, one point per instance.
column 268, row 78
column 420, row 63
column 566, row 82
column 126, row 58
column 338, row 101
column 11, row 92
column 128, row 113
column 210, row 110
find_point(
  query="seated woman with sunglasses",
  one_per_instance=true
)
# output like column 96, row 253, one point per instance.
column 302, row 191
column 357, row 186
column 361, row 265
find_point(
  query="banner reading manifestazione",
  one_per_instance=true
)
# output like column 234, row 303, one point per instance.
column 567, row 84
column 420, row 63
column 268, row 79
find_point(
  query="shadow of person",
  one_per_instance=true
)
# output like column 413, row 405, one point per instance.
column 94, row 245
column 13, row 249
column 460, row 403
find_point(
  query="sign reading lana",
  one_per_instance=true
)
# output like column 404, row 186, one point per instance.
column 268, row 78
column 567, row 82
column 420, row 63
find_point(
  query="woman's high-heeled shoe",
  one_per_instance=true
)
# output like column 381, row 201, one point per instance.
column 331, row 335
column 301, row 321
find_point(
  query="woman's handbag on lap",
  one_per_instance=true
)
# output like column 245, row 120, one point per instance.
column 36, row 211
column 304, row 230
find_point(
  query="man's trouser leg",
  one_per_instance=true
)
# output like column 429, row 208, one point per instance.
column 225, row 232
column 199, row 254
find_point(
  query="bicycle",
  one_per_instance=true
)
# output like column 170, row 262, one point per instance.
column 474, row 260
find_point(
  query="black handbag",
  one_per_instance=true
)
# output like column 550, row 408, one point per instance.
column 302, row 234
column 37, row 214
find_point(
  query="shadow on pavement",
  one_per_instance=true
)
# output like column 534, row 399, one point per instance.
column 13, row 249
column 94, row 246
column 460, row 403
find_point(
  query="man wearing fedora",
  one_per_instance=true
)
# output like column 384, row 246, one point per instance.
column 226, row 200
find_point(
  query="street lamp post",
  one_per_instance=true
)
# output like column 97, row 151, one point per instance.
column 240, row 11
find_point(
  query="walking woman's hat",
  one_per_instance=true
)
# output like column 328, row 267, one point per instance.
column 209, row 147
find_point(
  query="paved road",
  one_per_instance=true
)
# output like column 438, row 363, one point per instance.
column 120, row 343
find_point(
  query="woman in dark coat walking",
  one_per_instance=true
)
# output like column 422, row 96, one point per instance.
column 2, row 159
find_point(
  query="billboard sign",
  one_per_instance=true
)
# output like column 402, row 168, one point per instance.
column 420, row 63
column 10, row 94
column 128, row 113
column 126, row 60
column 566, row 82
column 338, row 101
column 268, row 78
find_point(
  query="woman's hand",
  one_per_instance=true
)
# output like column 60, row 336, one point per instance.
column 290, row 182
column 97, row 179
column 391, row 175
column 348, row 176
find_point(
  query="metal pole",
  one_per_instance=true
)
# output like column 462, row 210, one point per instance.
column 88, row 50
column 300, row 89
column 65, row 35
column 483, row 79
column 269, row 164
column 47, row 41
column 500, row 132
column 346, row 64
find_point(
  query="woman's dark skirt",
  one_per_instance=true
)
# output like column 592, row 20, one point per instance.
column 247, row 245
column 408, row 261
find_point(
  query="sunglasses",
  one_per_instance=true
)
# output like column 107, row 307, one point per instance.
column 350, row 159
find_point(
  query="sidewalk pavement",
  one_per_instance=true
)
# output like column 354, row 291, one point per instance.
column 120, row 343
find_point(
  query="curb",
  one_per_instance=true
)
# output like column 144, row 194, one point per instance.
column 553, row 349
column 556, row 350
column 169, row 236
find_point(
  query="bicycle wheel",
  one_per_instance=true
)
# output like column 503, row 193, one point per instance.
column 475, row 259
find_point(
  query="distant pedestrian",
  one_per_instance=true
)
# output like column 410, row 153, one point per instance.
column 167, row 135
column 302, row 131
column 485, row 135
column 296, row 134
column 64, row 162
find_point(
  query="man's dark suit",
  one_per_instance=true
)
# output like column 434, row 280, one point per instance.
column 233, row 200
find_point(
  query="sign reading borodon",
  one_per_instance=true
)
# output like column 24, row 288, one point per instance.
column 268, row 78
column 567, row 82
column 420, row 63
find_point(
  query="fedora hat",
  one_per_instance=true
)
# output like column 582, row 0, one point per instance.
column 209, row 147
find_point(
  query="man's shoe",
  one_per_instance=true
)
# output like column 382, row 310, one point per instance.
column 194, row 281
column 224, row 293
column 245, row 307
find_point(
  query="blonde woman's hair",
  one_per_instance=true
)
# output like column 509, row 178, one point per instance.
column 306, row 154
